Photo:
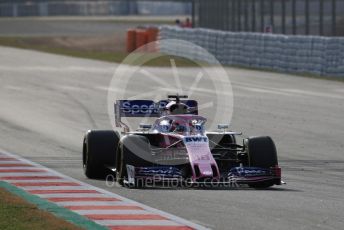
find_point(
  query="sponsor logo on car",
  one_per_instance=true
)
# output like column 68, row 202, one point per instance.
column 158, row 171
column 249, row 171
column 195, row 139
column 142, row 108
column 138, row 107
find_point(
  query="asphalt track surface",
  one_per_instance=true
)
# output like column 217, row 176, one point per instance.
column 48, row 101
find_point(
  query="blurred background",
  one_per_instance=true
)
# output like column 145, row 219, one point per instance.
column 229, row 29
column 310, row 17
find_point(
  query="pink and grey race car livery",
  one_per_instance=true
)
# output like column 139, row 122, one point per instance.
column 177, row 148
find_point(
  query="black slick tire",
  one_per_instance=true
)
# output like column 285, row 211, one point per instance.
column 129, row 148
column 261, row 153
column 99, row 151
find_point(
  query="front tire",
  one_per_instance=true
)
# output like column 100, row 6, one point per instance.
column 261, row 153
column 129, row 148
column 99, row 151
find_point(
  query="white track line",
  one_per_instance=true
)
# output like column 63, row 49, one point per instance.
column 136, row 223
column 111, row 212
column 22, row 168
column 86, row 203
column 9, row 162
column 38, row 181
column 26, row 174
column 54, row 187
column 46, row 196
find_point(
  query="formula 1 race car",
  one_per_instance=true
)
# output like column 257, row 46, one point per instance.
column 177, row 148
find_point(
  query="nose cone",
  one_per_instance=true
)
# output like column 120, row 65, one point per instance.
column 205, row 170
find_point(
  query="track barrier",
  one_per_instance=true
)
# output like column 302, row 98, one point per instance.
column 284, row 53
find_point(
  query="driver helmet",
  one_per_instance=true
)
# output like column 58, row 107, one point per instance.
column 174, row 108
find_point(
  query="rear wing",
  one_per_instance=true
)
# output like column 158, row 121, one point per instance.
column 146, row 108
column 136, row 108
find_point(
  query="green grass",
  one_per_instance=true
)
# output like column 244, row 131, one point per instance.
column 34, row 43
column 15, row 213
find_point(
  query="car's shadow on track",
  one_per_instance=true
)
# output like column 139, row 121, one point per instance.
column 217, row 188
column 222, row 189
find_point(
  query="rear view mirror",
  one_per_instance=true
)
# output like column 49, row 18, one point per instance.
column 145, row 126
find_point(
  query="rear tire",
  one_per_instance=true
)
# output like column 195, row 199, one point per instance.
column 99, row 151
column 261, row 153
column 126, row 156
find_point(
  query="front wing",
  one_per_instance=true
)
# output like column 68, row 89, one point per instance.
column 233, row 177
